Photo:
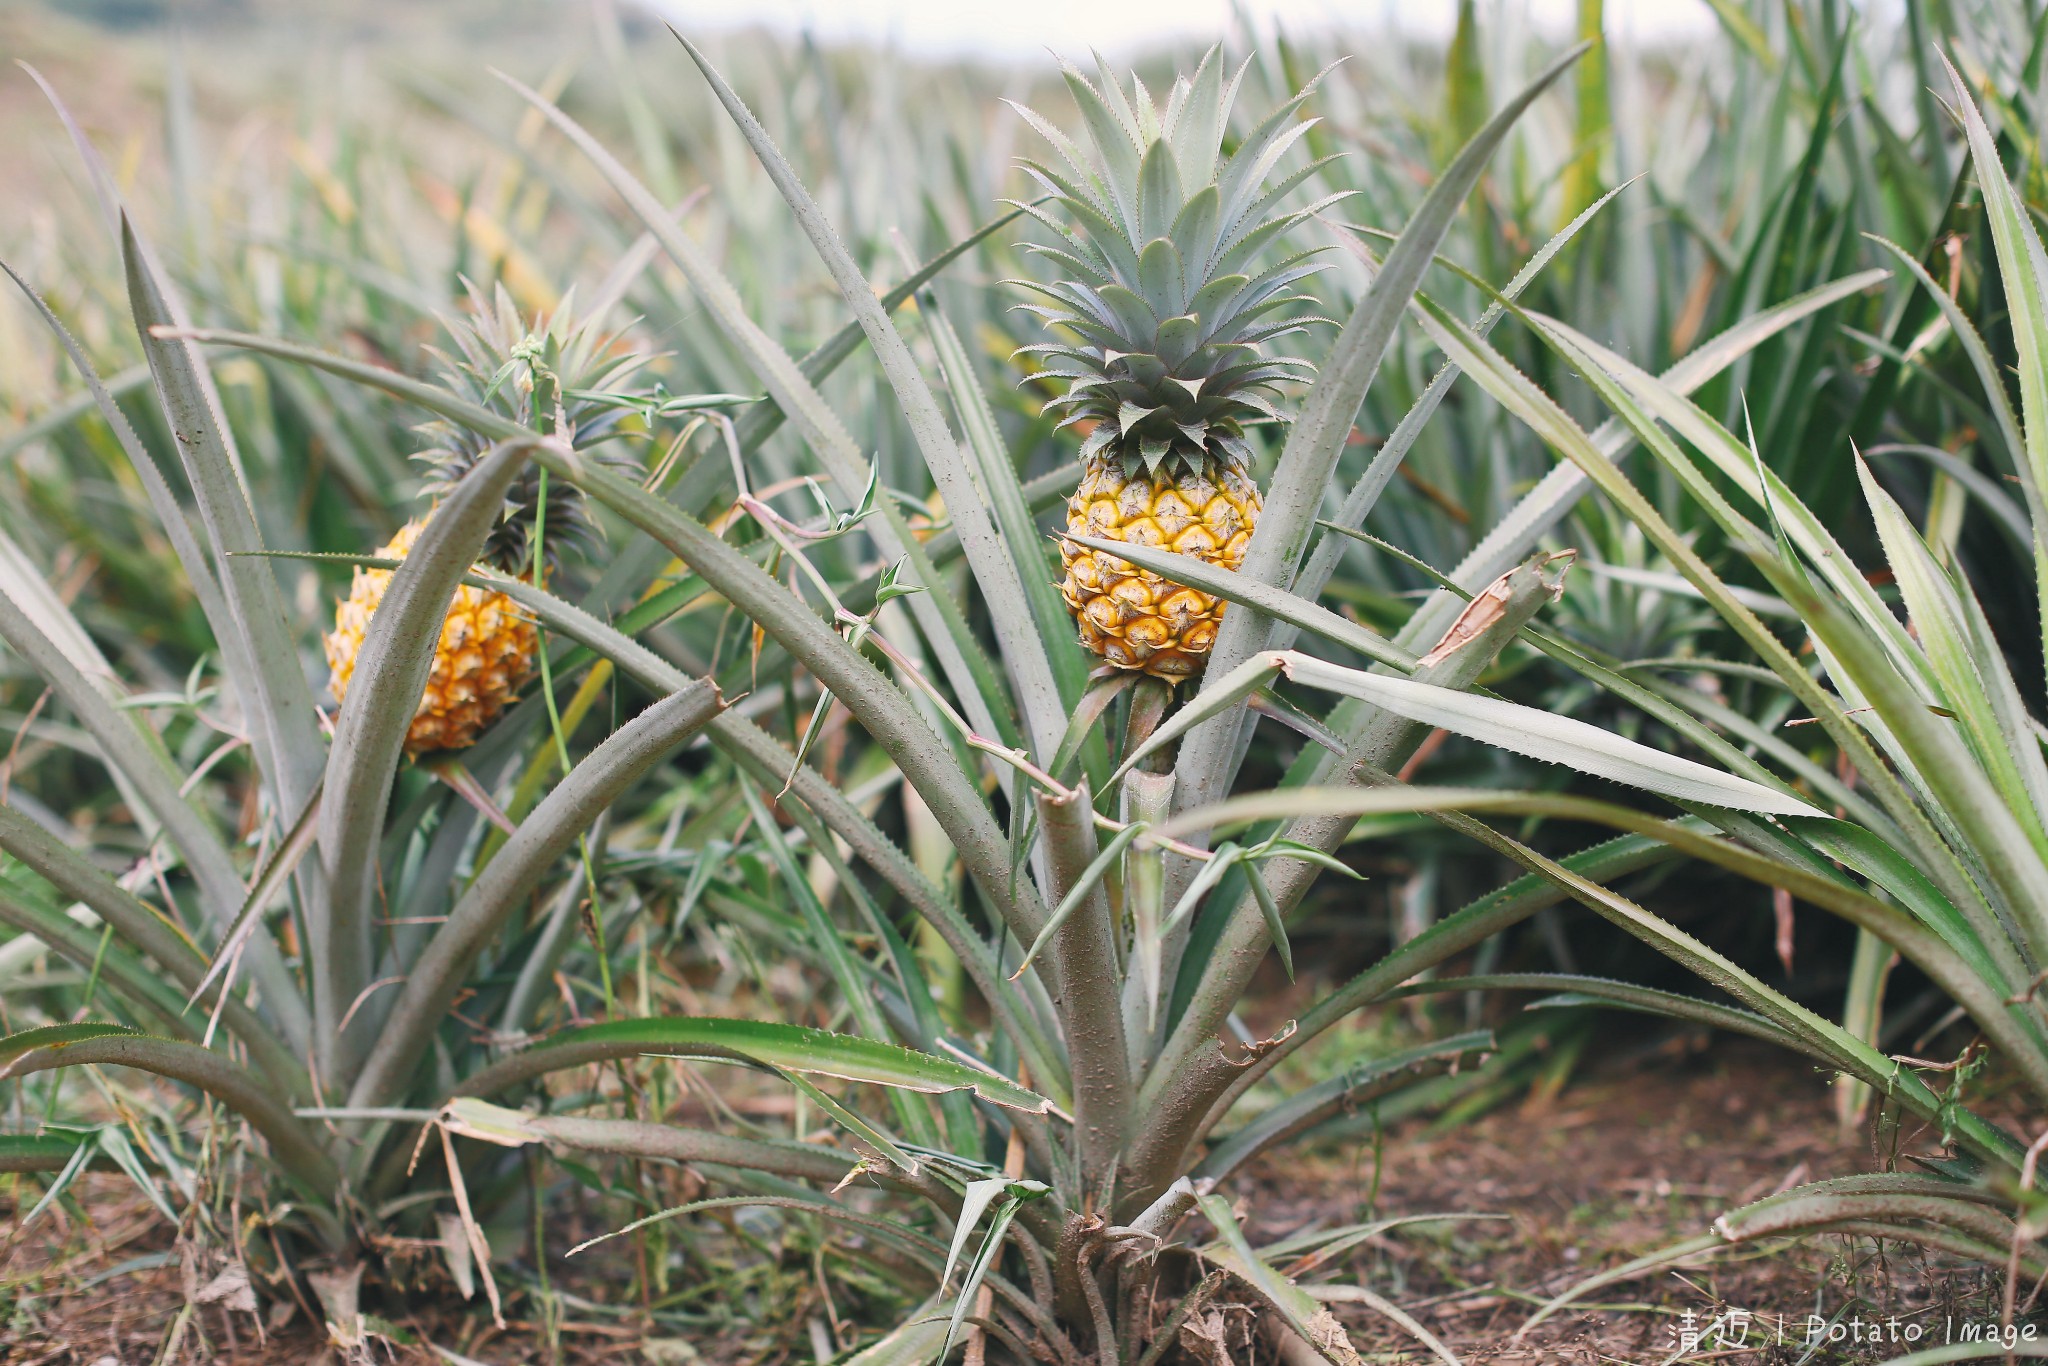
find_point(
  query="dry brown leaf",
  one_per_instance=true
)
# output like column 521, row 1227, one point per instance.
column 1327, row 1336
column 230, row 1288
column 1483, row 611
column 1206, row 1338
column 1480, row 613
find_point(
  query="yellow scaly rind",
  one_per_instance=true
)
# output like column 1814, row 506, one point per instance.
column 487, row 649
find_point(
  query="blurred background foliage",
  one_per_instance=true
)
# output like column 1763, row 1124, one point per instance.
column 335, row 173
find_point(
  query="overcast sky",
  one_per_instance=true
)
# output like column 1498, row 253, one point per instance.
column 1027, row 28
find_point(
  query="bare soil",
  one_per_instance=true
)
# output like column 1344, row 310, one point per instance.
column 1626, row 1160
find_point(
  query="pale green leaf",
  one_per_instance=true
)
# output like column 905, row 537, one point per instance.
column 1548, row 738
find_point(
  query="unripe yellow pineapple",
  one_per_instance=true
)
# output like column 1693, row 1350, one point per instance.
column 556, row 378
column 486, row 651
column 1162, row 316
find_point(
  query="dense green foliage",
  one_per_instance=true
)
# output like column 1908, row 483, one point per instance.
column 1673, row 481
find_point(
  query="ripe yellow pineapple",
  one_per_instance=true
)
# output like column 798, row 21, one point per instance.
column 486, row 652
column 1130, row 616
column 1162, row 314
column 556, row 378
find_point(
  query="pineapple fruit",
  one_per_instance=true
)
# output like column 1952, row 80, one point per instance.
column 486, row 651
column 1130, row 616
column 555, row 377
column 1162, row 317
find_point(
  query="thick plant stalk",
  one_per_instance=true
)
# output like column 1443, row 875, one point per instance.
column 1085, row 988
column 1173, row 1204
column 1192, row 1071
column 1148, row 797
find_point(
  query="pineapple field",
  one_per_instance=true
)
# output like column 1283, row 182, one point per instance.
column 1331, row 691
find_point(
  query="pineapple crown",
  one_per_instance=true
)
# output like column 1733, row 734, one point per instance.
column 1159, row 233
column 558, row 375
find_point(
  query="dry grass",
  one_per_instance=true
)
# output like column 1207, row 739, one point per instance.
column 1638, row 1155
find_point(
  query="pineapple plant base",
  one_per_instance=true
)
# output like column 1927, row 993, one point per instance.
column 1130, row 616
column 486, row 651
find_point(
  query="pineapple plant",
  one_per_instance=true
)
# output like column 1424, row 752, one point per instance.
column 1102, row 1093
column 1163, row 319
column 488, row 645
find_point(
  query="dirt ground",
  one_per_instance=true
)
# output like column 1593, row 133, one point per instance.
column 1624, row 1161
column 1620, row 1164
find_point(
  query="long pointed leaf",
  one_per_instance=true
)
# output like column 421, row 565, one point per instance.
column 626, row 756
column 128, row 747
column 792, row 1048
column 1238, row 587
column 1358, row 1082
column 770, row 765
column 987, row 555
column 391, row 671
column 170, row 515
column 1548, row 738
column 937, row 615
column 998, row 480
column 1320, row 430
column 878, row 704
column 38, row 1050
column 275, row 692
column 1554, row 496
column 1987, row 1005
column 2022, row 269
column 1317, row 1326
column 1966, row 674
column 140, row 927
column 1365, row 493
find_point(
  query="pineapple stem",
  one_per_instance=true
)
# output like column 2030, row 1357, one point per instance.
column 593, row 917
column 1148, row 705
column 547, row 673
